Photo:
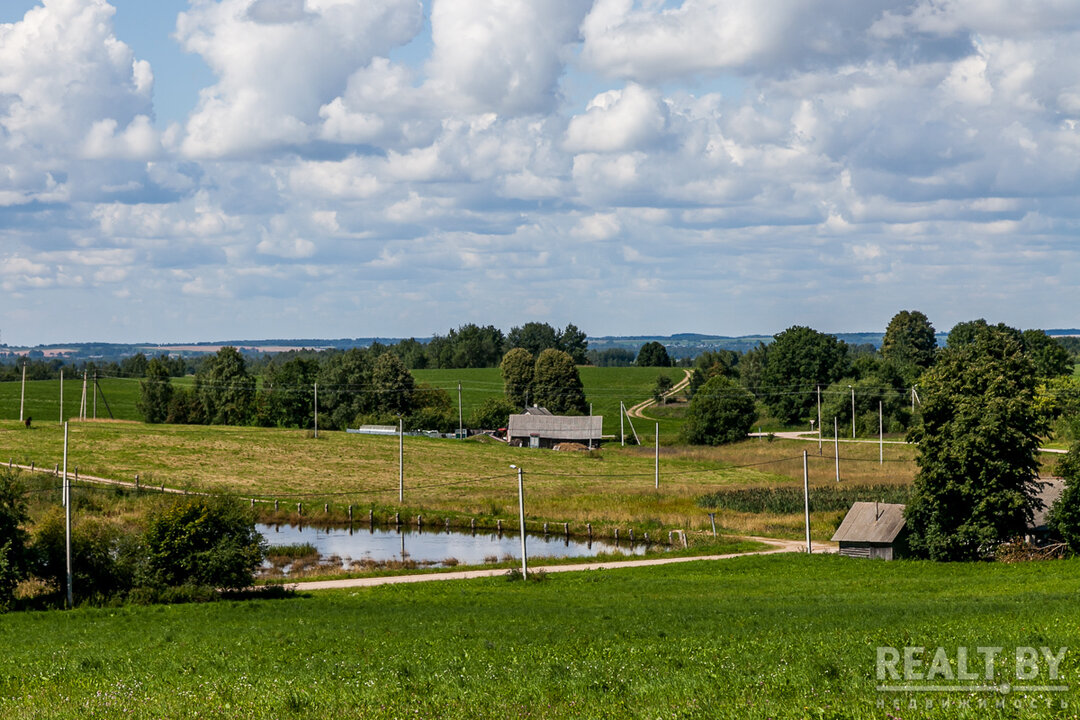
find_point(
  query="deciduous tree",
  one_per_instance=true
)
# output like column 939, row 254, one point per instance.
column 798, row 360
column 722, row 411
column 977, row 448
column 226, row 388
column 556, row 384
column 518, row 368
column 155, row 392
column 653, row 354
column 909, row 339
column 573, row 341
column 393, row 384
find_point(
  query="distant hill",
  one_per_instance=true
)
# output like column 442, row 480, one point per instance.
column 691, row 344
column 678, row 345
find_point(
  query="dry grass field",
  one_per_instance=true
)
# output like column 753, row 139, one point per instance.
column 460, row 478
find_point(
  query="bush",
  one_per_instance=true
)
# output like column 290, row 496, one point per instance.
column 721, row 412
column 14, row 549
column 493, row 414
column 105, row 558
column 208, row 541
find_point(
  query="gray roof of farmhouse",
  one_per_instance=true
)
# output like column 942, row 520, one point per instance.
column 871, row 522
column 882, row 522
column 557, row 427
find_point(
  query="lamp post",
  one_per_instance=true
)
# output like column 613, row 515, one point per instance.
column 521, row 521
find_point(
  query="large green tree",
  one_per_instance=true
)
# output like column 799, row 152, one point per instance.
column 909, row 340
column 653, row 354
column 556, row 384
column 226, row 388
column 518, row 368
column 722, row 411
column 155, row 392
column 533, row 336
column 977, row 448
column 573, row 341
column 1048, row 356
column 287, row 397
column 393, row 385
column 798, row 361
column 345, row 387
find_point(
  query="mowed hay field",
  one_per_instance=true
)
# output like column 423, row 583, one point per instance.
column 462, row 477
column 781, row 636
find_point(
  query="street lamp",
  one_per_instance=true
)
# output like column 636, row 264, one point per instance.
column 521, row 521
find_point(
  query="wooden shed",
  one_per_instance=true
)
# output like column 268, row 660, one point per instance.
column 872, row 530
column 545, row 431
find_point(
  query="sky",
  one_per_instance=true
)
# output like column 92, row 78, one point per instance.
column 184, row 170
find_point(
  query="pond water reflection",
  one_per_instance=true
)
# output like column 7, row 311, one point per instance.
column 430, row 547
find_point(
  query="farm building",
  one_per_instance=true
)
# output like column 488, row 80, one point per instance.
column 876, row 530
column 872, row 530
column 533, row 429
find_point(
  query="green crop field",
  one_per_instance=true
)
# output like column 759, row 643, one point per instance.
column 604, row 387
column 758, row 637
column 115, row 395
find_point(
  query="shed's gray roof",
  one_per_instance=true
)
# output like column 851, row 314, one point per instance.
column 871, row 522
column 1048, row 494
column 558, row 427
column 537, row 410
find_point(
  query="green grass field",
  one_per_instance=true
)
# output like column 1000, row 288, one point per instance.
column 761, row 637
column 604, row 387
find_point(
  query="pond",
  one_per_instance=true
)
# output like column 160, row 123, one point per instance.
column 435, row 548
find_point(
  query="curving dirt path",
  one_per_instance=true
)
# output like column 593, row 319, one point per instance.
column 636, row 411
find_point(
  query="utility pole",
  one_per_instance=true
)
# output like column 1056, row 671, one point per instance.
column 852, row 411
column 61, row 394
column 460, row 425
column 590, row 426
column 82, row 406
column 836, row 445
column 67, row 521
column 880, row 433
column 656, row 462
column 316, row 411
column 22, row 397
column 401, row 460
column 806, row 499
column 622, row 426
column 95, row 394
column 521, row 522
column 819, row 420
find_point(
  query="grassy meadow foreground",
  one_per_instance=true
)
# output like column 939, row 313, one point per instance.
column 787, row 636
column 454, row 477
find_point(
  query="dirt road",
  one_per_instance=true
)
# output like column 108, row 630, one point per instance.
column 778, row 546
column 636, row 411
